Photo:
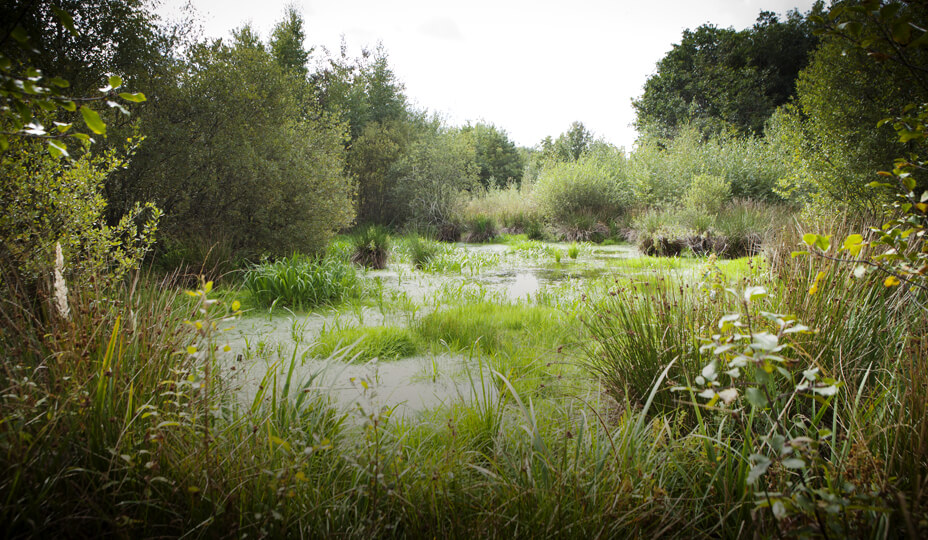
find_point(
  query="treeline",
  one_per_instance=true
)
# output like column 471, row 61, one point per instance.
column 247, row 146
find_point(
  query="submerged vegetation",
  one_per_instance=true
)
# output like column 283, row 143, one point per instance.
column 700, row 338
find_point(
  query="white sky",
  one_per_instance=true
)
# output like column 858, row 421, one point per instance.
column 530, row 67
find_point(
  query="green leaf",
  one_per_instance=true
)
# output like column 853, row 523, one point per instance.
column 853, row 244
column 138, row 97
column 902, row 32
column 20, row 35
column 4, row 143
column 57, row 149
column 69, row 106
column 115, row 81
column 809, row 239
column 762, row 463
column 65, row 19
column 59, row 82
column 795, row 254
column 93, row 121
column 755, row 397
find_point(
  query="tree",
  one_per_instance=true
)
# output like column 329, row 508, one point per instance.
column 722, row 80
column 229, row 157
column 287, row 43
column 438, row 168
column 831, row 132
column 498, row 160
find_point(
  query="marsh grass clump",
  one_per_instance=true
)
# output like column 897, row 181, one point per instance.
column 361, row 344
column 301, row 282
column 371, row 247
column 495, row 327
column 421, row 251
column 573, row 250
column 481, row 228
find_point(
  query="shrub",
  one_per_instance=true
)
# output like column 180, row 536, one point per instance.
column 371, row 247
column 301, row 282
column 707, row 193
column 594, row 186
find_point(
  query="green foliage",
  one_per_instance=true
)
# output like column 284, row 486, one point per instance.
column 421, row 251
column 569, row 146
column 286, row 44
column 496, row 328
column 371, row 247
column 45, row 201
column 721, row 80
column 498, row 161
column 361, row 344
column 247, row 166
column 480, row 229
column 596, row 185
column 513, row 207
column 660, row 168
column 435, row 172
column 832, row 136
column 301, row 282
column 707, row 193
column 31, row 98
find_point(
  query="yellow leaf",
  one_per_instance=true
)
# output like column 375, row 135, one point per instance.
column 208, row 287
column 300, row 476
column 236, row 305
column 191, row 350
column 891, row 281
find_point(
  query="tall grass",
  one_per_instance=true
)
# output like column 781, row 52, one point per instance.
column 301, row 282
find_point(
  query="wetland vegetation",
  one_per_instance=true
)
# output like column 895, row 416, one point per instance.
column 331, row 314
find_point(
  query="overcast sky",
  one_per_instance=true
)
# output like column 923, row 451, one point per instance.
column 530, row 67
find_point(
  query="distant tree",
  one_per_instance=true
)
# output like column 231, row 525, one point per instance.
column 722, row 80
column 286, row 43
column 498, row 160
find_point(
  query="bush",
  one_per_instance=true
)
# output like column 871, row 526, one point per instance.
column 301, row 282
column 707, row 193
column 371, row 247
column 594, row 187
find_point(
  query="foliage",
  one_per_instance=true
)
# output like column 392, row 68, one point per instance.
column 480, row 229
column 707, row 193
column 569, row 146
column 31, row 99
column 512, row 207
column 279, row 185
column 498, row 161
column 371, row 247
column 45, row 201
column 595, row 185
column 301, row 282
column 434, row 174
column 660, row 168
column 721, row 80
column 832, row 136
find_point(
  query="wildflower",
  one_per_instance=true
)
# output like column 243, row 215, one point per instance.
column 61, row 288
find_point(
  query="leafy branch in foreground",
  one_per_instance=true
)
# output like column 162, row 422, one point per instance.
column 29, row 98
